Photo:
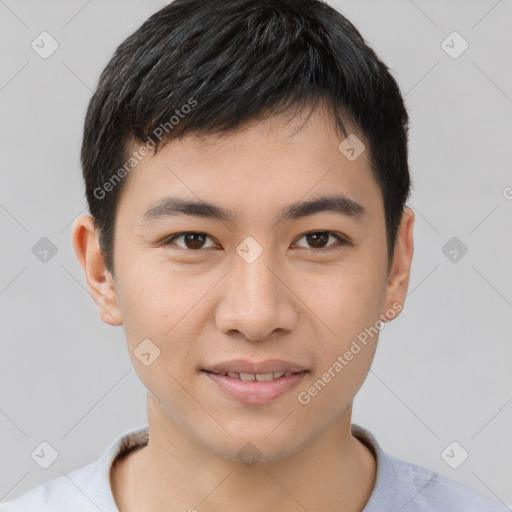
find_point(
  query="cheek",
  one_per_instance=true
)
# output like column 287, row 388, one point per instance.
column 330, row 391
column 161, row 331
column 168, row 308
column 157, row 300
column 345, row 298
column 346, row 350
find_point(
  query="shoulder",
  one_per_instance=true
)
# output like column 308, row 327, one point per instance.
column 407, row 487
column 420, row 489
column 84, row 489
column 58, row 495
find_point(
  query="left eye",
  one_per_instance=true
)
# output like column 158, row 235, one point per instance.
column 319, row 239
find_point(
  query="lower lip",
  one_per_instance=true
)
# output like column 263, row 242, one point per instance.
column 255, row 392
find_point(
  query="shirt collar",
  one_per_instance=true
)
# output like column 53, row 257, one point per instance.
column 381, row 500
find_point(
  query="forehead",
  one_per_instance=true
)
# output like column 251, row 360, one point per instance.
column 266, row 164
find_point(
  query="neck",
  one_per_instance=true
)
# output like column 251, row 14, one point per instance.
column 335, row 472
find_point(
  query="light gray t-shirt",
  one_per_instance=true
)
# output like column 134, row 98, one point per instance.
column 400, row 486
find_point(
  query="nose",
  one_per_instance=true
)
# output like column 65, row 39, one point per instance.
column 256, row 301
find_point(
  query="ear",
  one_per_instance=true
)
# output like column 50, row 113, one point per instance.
column 99, row 280
column 398, row 279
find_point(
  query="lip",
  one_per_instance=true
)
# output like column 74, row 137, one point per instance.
column 255, row 392
column 244, row 366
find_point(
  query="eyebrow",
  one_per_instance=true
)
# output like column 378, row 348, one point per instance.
column 176, row 206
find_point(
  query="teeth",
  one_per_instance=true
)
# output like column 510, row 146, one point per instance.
column 261, row 377
column 264, row 376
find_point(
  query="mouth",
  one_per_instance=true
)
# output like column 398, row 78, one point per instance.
column 255, row 383
column 260, row 377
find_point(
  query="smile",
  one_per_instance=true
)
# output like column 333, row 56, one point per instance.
column 254, row 388
column 260, row 377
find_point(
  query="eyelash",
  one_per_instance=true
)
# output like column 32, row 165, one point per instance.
column 341, row 240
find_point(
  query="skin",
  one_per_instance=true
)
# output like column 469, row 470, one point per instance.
column 297, row 301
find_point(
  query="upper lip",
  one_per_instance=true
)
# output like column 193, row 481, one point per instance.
column 244, row 366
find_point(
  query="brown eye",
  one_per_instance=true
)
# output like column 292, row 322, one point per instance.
column 191, row 240
column 194, row 240
column 319, row 239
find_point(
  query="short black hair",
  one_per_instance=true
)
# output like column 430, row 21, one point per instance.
column 207, row 67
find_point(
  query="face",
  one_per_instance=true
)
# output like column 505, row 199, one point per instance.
column 269, row 284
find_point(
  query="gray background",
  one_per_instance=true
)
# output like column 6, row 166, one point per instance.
column 442, row 371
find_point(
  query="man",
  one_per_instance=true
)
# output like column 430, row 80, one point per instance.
column 246, row 170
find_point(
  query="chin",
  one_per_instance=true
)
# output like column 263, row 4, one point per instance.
column 251, row 445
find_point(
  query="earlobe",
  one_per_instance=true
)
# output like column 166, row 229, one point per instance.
column 398, row 279
column 99, row 280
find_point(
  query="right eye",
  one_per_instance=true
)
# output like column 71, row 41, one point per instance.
column 192, row 240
